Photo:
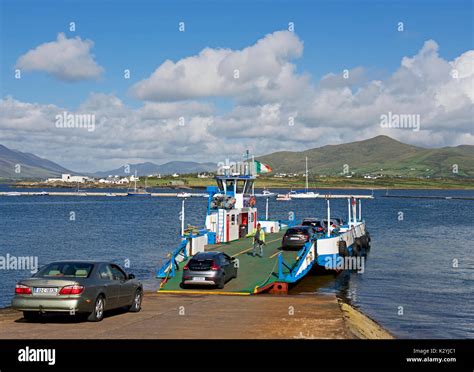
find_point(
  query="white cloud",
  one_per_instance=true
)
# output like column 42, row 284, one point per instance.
column 122, row 134
column 66, row 59
column 264, row 72
column 331, row 111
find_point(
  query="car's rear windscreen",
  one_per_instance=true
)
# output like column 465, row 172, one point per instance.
column 297, row 232
column 312, row 223
column 66, row 270
column 200, row 264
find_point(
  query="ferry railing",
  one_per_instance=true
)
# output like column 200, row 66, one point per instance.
column 169, row 268
column 301, row 256
column 281, row 264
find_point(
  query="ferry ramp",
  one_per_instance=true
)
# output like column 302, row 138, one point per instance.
column 255, row 274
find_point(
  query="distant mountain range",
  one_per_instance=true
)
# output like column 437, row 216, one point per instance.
column 34, row 167
column 377, row 155
column 144, row 169
column 16, row 164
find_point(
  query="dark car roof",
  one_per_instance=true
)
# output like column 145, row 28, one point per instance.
column 206, row 255
column 302, row 227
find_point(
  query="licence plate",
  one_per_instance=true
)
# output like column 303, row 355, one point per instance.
column 45, row 290
column 198, row 279
column 294, row 238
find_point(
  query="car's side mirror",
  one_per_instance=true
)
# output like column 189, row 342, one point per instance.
column 131, row 276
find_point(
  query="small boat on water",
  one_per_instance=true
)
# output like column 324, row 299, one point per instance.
column 184, row 195
column 191, row 195
column 306, row 194
column 138, row 191
column 286, row 197
column 283, row 197
column 266, row 194
column 41, row 193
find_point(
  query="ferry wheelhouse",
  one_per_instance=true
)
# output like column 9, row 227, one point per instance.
column 231, row 211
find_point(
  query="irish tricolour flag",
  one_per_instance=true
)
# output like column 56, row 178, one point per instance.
column 262, row 168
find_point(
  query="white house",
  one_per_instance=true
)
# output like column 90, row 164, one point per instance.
column 122, row 181
column 69, row 179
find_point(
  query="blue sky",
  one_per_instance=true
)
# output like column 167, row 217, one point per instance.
column 285, row 74
column 140, row 35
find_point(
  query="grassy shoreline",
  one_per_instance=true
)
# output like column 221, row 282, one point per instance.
column 282, row 183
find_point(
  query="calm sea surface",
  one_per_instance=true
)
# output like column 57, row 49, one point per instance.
column 418, row 280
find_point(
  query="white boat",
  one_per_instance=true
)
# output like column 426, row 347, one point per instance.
column 137, row 191
column 13, row 193
column 266, row 194
column 183, row 195
column 41, row 193
column 283, row 197
column 307, row 194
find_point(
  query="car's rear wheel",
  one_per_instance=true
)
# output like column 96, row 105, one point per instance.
column 137, row 302
column 98, row 313
column 31, row 315
column 221, row 283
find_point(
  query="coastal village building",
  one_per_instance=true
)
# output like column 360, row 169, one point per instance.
column 70, row 179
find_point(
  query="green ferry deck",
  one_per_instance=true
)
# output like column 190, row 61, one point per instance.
column 255, row 274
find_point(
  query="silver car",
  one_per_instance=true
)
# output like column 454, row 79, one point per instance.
column 77, row 287
column 209, row 268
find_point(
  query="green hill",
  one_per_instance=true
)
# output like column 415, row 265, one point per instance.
column 378, row 155
column 16, row 164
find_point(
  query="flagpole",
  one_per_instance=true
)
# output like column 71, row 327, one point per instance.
column 253, row 184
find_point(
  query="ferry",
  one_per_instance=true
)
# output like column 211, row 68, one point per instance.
column 232, row 216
